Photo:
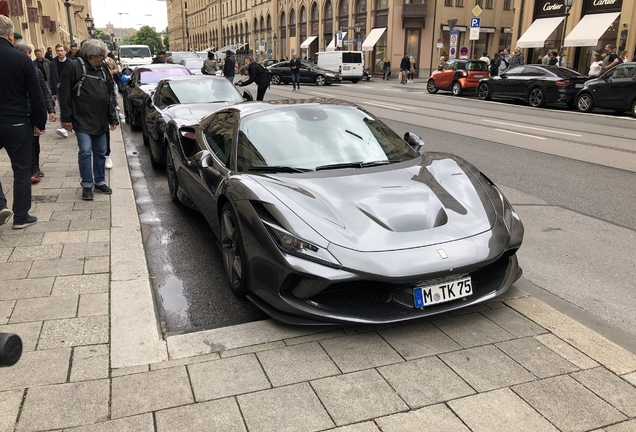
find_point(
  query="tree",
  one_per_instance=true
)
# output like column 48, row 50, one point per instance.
column 148, row 36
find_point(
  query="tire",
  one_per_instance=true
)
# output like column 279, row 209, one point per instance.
column 354, row 81
column 634, row 109
column 144, row 135
column 173, row 180
column 457, row 89
column 320, row 80
column 536, row 98
column 276, row 79
column 430, row 87
column 585, row 102
column 233, row 251
column 483, row 92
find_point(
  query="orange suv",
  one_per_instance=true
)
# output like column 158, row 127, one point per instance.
column 458, row 76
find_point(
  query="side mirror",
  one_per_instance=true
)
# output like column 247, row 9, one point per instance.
column 203, row 159
column 414, row 141
column 247, row 96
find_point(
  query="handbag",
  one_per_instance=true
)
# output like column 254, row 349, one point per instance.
column 400, row 76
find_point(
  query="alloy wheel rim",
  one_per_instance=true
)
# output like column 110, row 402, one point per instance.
column 584, row 103
column 172, row 176
column 431, row 86
column 275, row 79
column 456, row 88
column 483, row 91
column 231, row 250
column 536, row 97
column 320, row 80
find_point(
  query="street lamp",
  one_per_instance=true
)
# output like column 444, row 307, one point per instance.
column 356, row 29
column 568, row 5
column 90, row 26
column 68, row 5
column 275, row 39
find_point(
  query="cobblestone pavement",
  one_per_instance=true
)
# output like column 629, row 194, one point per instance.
column 72, row 286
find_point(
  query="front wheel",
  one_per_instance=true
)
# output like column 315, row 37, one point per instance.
column 354, row 81
column 634, row 109
column 430, row 87
column 173, row 180
column 585, row 103
column 457, row 89
column 536, row 98
column 275, row 79
column 320, row 80
column 234, row 259
column 483, row 92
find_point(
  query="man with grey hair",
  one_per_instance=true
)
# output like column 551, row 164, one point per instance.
column 88, row 107
column 18, row 85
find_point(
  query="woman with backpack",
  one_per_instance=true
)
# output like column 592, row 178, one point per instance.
column 210, row 66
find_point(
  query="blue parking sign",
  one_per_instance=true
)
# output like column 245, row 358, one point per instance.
column 475, row 22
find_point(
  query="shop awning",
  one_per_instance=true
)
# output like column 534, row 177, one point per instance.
column 308, row 42
column 538, row 32
column 590, row 29
column 332, row 44
column 373, row 38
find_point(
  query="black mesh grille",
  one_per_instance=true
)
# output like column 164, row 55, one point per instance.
column 491, row 271
column 354, row 295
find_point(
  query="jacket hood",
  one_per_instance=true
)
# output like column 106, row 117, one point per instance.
column 388, row 207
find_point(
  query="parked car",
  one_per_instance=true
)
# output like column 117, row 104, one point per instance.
column 269, row 62
column 281, row 74
column 193, row 65
column 537, row 84
column 457, row 76
column 177, row 56
column 312, row 236
column 140, row 86
column 615, row 89
column 183, row 97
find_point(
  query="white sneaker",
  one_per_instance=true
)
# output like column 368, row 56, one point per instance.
column 109, row 162
column 62, row 132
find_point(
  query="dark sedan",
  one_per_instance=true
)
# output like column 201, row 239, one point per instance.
column 303, row 196
column 141, row 84
column 281, row 73
column 615, row 89
column 183, row 97
column 537, row 84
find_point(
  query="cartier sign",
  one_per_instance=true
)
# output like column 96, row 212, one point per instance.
column 599, row 6
column 549, row 8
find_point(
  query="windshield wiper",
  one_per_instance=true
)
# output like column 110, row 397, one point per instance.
column 284, row 169
column 353, row 165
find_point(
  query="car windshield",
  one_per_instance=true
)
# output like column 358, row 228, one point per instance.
column 477, row 66
column 194, row 63
column 177, row 56
column 200, row 91
column 126, row 52
column 309, row 136
column 150, row 76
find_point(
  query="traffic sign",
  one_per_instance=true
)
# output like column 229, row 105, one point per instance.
column 476, row 10
column 453, row 39
column 475, row 24
column 463, row 51
column 453, row 52
column 349, row 41
column 454, row 36
column 440, row 42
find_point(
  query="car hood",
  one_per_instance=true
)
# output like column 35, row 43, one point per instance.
column 388, row 208
column 195, row 111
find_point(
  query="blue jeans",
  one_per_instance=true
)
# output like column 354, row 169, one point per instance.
column 230, row 78
column 296, row 79
column 92, row 148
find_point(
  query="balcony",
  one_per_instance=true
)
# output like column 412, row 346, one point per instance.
column 414, row 10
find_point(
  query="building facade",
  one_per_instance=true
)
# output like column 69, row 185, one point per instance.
column 44, row 23
column 577, row 31
column 118, row 34
column 381, row 28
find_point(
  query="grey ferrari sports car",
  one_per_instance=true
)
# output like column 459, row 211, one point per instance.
column 325, row 215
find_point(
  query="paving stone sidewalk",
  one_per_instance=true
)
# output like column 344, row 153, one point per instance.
column 512, row 364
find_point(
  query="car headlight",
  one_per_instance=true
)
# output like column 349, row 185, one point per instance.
column 292, row 245
column 330, row 75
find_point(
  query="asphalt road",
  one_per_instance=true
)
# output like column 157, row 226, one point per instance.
column 570, row 175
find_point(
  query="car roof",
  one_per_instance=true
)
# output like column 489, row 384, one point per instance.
column 156, row 66
column 195, row 78
column 248, row 108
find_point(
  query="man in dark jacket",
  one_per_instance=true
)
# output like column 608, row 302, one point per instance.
column 18, row 86
column 49, row 54
column 294, row 65
column 258, row 75
column 405, row 65
column 88, row 108
column 229, row 65
column 72, row 53
column 44, row 66
column 58, row 64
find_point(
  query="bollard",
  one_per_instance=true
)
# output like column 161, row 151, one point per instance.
column 10, row 349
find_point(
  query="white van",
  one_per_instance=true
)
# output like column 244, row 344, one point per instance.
column 134, row 55
column 350, row 64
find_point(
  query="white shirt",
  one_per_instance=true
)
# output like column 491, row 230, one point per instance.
column 596, row 68
column 485, row 59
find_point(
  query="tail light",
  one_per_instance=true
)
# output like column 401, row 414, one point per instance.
column 563, row 83
column 463, row 73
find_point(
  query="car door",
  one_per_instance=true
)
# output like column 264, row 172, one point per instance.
column 614, row 90
column 533, row 77
column 510, row 84
column 444, row 79
column 307, row 74
column 285, row 72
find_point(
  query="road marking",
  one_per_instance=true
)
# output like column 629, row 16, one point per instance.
column 522, row 134
column 393, row 107
column 531, row 127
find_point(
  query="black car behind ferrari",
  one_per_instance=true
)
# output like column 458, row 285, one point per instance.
column 325, row 215
column 615, row 89
column 184, row 97
column 537, row 84
column 141, row 84
column 309, row 74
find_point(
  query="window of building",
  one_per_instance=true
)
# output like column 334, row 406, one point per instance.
column 459, row 3
column 488, row 4
column 292, row 23
column 506, row 5
column 448, row 3
column 479, row 3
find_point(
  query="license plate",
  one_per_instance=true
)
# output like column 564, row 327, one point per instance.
column 347, row 68
column 478, row 76
column 447, row 291
column 578, row 85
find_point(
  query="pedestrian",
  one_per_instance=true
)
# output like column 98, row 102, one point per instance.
column 494, row 65
column 228, row 66
column 517, row 58
column 412, row 69
column 624, row 57
column 257, row 74
column 553, row 59
column 44, row 65
column 546, row 57
column 19, row 86
column 111, row 64
column 485, row 58
column 611, row 59
column 36, row 173
column 504, row 61
column 72, row 51
column 539, row 59
column 596, row 68
column 169, row 60
column 58, row 64
column 87, row 106
column 405, row 65
column 441, row 62
column 210, row 65
column 49, row 54
column 160, row 58
column 294, row 65
column 386, row 69
column 561, row 60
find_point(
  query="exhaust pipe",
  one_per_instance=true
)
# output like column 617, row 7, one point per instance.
column 10, row 349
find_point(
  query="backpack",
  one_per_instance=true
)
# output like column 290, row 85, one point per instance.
column 78, row 86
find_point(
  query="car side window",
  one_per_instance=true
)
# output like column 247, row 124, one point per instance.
column 619, row 72
column 167, row 96
column 220, row 134
column 533, row 72
column 515, row 71
column 447, row 66
column 285, row 65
